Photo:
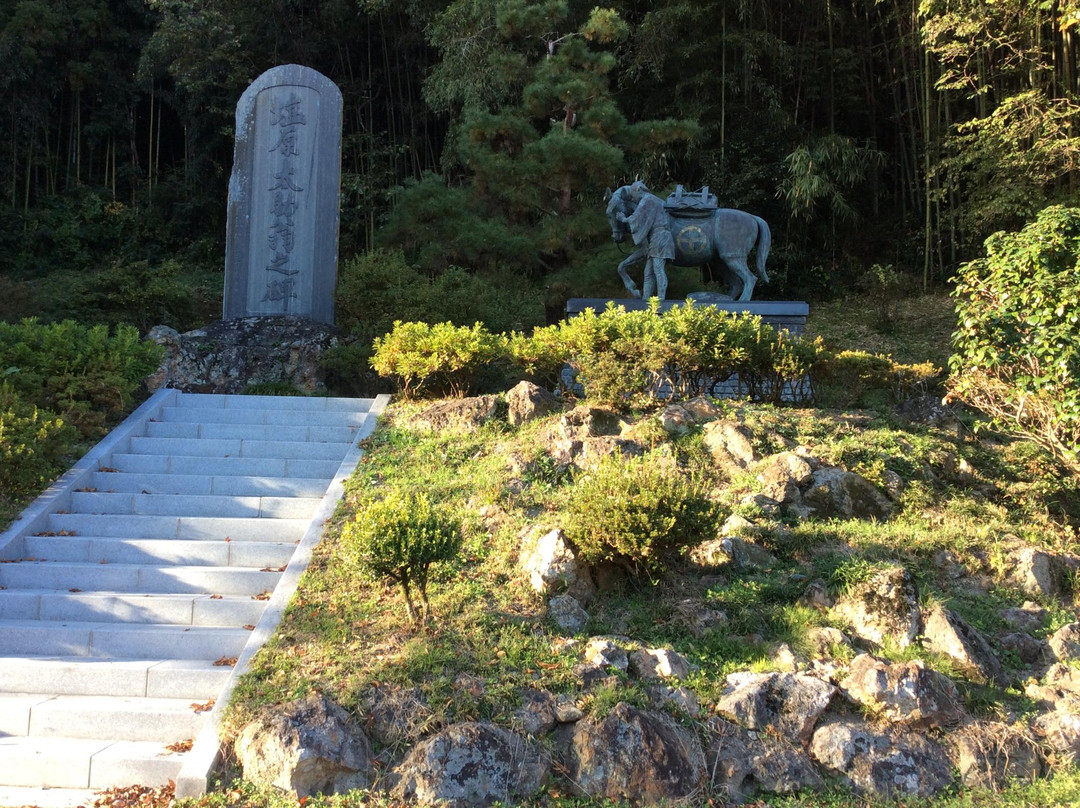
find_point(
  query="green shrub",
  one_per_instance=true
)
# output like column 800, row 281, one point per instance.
column 1017, row 341
column 637, row 511
column 32, row 444
column 399, row 538
column 139, row 293
column 441, row 358
column 84, row 373
column 858, row 378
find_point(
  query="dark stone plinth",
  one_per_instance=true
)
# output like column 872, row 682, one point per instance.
column 786, row 314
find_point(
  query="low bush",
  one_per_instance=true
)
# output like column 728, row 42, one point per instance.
column 443, row 358
column 32, row 444
column 86, row 374
column 1018, row 334
column 858, row 378
column 637, row 512
column 399, row 538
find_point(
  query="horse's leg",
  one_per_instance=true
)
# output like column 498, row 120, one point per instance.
column 628, row 282
column 739, row 267
column 649, row 286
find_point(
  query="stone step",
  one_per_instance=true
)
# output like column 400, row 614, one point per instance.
column 200, row 447
column 202, row 485
column 301, row 418
column 94, row 549
column 86, row 676
column 194, row 505
column 193, row 430
column 55, row 762
column 135, row 526
column 213, row 401
column 46, row 796
column 142, row 578
column 274, row 467
column 119, row 640
column 115, row 607
column 123, row 718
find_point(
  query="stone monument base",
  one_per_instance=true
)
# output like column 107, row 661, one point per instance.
column 228, row 355
column 786, row 314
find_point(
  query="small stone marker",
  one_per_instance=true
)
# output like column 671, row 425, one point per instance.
column 281, row 250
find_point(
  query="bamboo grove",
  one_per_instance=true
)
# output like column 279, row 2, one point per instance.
column 897, row 132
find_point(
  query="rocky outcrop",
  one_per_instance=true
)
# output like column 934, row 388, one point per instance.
column 227, row 356
column 788, row 704
column 834, row 492
column 905, row 693
column 456, row 414
column 527, row 401
column 947, row 633
column 552, row 567
column 888, row 765
column 730, row 444
column 741, row 763
column 883, row 607
column 305, row 748
column 1065, row 642
column 469, row 765
column 637, row 756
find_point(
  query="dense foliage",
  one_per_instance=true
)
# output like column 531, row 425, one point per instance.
column 398, row 538
column 481, row 134
column 638, row 512
column 32, row 444
column 1018, row 337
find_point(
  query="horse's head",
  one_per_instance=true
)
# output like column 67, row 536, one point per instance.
column 619, row 202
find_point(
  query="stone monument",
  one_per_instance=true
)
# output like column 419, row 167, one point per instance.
column 281, row 248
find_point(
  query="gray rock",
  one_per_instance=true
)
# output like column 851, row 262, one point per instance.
column 306, row 747
column 552, row 567
column 888, row 765
column 742, row 764
column 1028, row 617
column 894, row 484
column 730, row 444
column 1028, row 649
column 526, row 401
column 604, row 652
column 788, row 704
column 782, row 477
column 536, row 715
column 699, row 618
column 883, row 607
column 588, row 422
column 659, row 663
column 679, row 697
column 228, row 355
column 817, row 597
column 839, row 493
column 740, row 553
column 638, row 756
column 472, row 764
column 702, row 409
column 464, row 414
column 567, row 614
column 1065, row 642
column 675, row 420
column 566, row 710
column 1037, row 572
column 593, row 450
column 947, row 633
column 991, row 755
column 824, row 640
column 1061, row 732
column 736, row 525
column 905, row 693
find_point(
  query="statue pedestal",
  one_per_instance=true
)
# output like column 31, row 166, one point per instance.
column 787, row 314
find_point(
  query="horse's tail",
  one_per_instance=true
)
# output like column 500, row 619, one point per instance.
column 764, row 241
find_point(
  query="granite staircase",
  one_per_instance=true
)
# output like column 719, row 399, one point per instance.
column 134, row 591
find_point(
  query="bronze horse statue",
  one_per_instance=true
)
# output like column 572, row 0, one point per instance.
column 700, row 237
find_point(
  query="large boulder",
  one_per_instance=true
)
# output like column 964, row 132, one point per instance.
column 1065, row 642
column 788, row 704
column 905, row 693
column 741, row 763
column 526, row 401
column 552, row 567
column 845, row 494
column 228, row 355
column 889, row 765
column 945, row 632
column 782, row 477
column 730, row 444
column 306, row 747
column 884, row 607
column 637, row 756
column 471, row 764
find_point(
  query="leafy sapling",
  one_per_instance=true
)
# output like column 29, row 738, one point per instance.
column 399, row 538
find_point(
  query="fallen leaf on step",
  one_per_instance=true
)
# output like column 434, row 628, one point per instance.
column 215, row 597
column 76, row 589
column 250, row 627
column 225, row 662
column 180, row 746
column 262, row 595
column 202, row 708
column 108, row 469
